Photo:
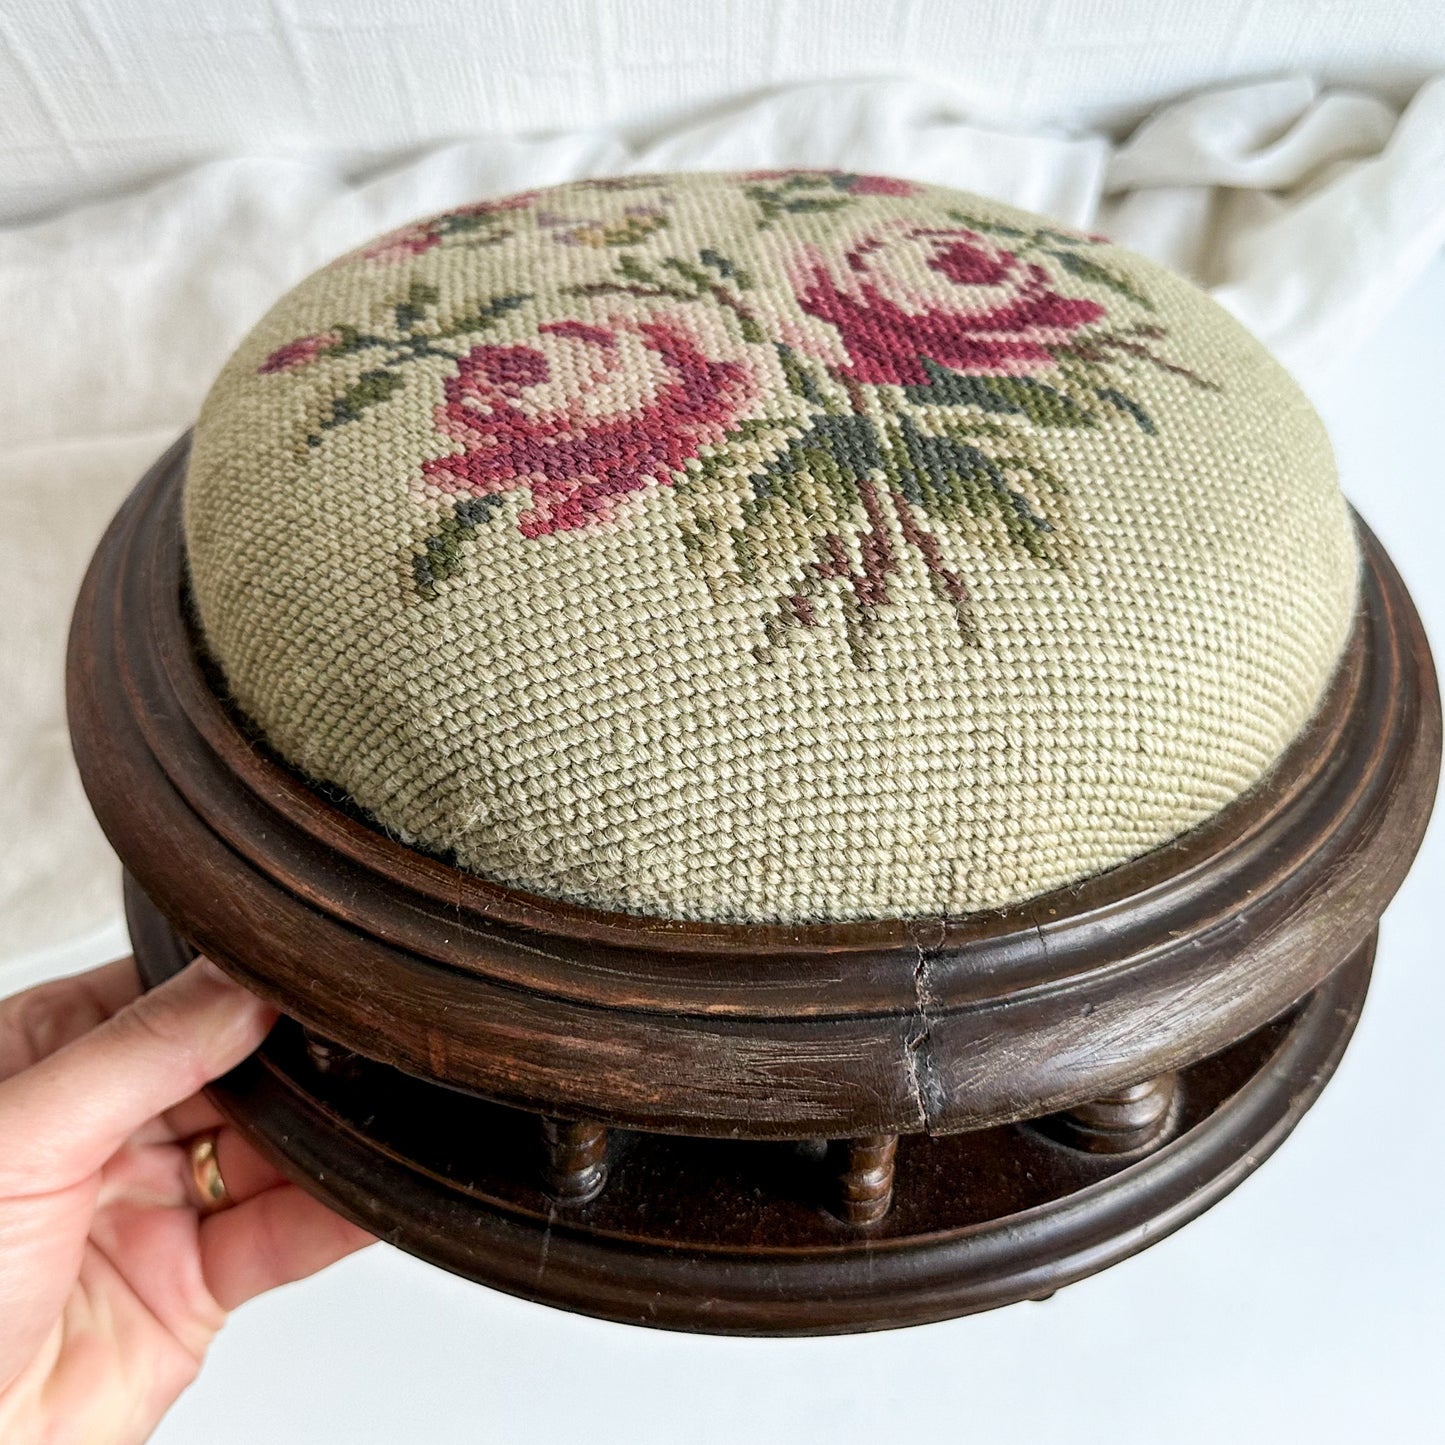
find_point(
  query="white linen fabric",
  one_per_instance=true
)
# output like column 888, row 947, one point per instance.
column 101, row 94
column 1306, row 211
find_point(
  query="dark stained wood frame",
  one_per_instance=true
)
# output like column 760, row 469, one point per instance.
column 691, row 1236
column 851, row 1032
column 866, row 1028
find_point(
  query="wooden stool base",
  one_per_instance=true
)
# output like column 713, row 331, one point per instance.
column 1131, row 1121
column 738, row 1127
column 743, row 1237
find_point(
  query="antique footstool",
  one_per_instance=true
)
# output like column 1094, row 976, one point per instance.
column 799, row 751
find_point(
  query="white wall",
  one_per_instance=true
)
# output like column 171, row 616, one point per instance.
column 96, row 94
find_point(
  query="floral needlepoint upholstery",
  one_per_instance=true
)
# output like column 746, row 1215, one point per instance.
column 778, row 546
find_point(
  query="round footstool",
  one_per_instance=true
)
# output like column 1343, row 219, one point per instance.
column 800, row 752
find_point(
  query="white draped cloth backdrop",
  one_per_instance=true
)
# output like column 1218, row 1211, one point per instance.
column 1306, row 211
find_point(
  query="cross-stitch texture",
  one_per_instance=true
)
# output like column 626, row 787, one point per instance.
column 778, row 546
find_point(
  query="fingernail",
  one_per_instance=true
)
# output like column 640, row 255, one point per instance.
column 209, row 969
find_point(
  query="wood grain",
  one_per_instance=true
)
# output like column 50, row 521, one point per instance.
column 830, row 1031
column 738, row 1236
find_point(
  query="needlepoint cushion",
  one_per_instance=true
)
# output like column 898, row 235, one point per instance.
column 772, row 546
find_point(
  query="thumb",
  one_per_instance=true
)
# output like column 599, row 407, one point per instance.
column 62, row 1118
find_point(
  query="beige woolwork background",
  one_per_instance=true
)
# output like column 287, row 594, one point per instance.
column 606, row 714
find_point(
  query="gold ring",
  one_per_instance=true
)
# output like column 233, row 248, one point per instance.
column 206, row 1171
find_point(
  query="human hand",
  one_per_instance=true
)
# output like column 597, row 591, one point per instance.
column 113, row 1278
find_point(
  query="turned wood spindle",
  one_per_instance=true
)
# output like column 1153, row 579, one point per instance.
column 1136, row 1118
column 330, row 1058
column 576, row 1167
column 865, row 1184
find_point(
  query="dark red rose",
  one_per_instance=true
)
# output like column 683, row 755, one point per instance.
column 948, row 296
column 585, row 415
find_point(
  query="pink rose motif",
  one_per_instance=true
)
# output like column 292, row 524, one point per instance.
column 585, row 415
column 301, row 352
column 517, row 201
column 398, row 245
column 949, row 296
column 880, row 186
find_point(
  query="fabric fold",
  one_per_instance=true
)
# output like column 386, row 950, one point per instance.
column 1307, row 212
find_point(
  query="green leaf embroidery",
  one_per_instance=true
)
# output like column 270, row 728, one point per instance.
column 419, row 300
column 484, row 316
column 441, row 556
column 368, row 390
column 1128, row 406
column 728, row 270
column 1088, row 269
column 1021, row 395
column 1043, row 405
column 944, row 476
column 989, row 228
column 801, row 381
